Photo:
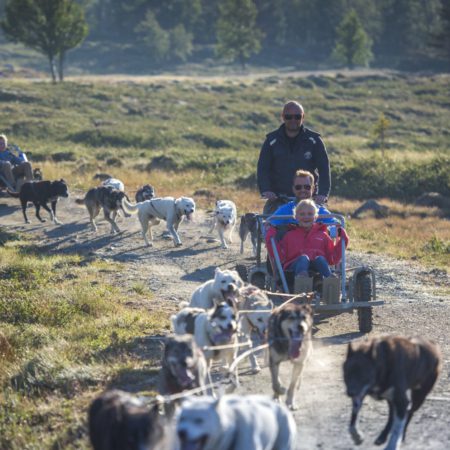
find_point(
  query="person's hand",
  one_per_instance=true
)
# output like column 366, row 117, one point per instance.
column 269, row 195
column 320, row 199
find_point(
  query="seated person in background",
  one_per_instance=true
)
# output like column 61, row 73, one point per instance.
column 303, row 188
column 307, row 245
column 13, row 167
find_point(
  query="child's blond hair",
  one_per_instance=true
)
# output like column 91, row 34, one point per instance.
column 307, row 203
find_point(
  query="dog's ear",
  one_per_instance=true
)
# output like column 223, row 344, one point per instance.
column 217, row 270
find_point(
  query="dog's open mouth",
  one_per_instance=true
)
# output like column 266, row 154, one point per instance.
column 193, row 444
column 295, row 344
column 190, row 215
column 223, row 337
column 230, row 296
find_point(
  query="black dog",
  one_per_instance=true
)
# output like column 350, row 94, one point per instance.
column 40, row 193
column 249, row 225
column 146, row 192
column 398, row 369
column 119, row 421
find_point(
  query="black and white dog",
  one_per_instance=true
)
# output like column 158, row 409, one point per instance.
column 40, row 193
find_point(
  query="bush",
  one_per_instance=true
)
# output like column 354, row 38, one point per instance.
column 382, row 177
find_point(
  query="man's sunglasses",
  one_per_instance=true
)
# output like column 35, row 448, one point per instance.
column 306, row 187
column 292, row 116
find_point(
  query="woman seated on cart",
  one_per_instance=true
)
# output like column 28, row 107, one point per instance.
column 306, row 244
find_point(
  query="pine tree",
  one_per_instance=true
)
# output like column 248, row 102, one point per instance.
column 237, row 35
column 51, row 27
column 352, row 43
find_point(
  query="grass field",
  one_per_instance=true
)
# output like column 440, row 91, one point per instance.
column 183, row 136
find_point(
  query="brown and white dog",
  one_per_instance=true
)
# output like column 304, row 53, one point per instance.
column 105, row 197
column 398, row 369
column 254, row 312
column 183, row 367
column 290, row 339
column 117, row 420
column 248, row 226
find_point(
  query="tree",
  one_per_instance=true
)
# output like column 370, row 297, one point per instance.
column 51, row 27
column 440, row 40
column 352, row 42
column 237, row 35
column 380, row 130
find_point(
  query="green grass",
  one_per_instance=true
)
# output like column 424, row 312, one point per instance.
column 66, row 333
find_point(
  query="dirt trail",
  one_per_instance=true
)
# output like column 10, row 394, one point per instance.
column 413, row 305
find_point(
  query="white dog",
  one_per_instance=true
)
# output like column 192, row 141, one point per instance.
column 166, row 208
column 225, row 219
column 215, row 327
column 114, row 183
column 252, row 422
column 223, row 287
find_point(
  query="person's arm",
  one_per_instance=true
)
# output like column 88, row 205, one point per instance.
column 11, row 157
column 323, row 167
column 263, row 168
column 336, row 253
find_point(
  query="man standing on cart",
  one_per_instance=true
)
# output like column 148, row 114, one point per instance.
column 289, row 148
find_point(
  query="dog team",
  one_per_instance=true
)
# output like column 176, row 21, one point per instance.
column 110, row 197
column 223, row 319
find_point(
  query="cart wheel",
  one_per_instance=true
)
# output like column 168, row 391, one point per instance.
column 363, row 293
column 258, row 279
column 242, row 271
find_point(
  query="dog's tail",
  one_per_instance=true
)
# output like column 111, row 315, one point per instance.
column 129, row 207
column 80, row 201
column 13, row 194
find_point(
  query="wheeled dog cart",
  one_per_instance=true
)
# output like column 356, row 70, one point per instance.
column 357, row 285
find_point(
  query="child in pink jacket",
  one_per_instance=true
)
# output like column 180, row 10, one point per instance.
column 308, row 245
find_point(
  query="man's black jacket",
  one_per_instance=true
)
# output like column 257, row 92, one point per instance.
column 278, row 163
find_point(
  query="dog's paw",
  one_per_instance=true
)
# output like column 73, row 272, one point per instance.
column 57, row 222
column 178, row 244
column 43, row 220
column 356, row 435
column 27, row 221
column 292, row 406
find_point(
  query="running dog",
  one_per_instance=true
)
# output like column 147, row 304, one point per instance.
column 40, row 193
column 224, row 219
column 215, row 327
column 398, row 369
column 235, row 423
column 166, row 208
column 107, row 198
column 248, row 226
column 223, row 287
column 289, row 335
column 146, row 192
column 254, row 312
column 183, row 367
column 118, row 420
